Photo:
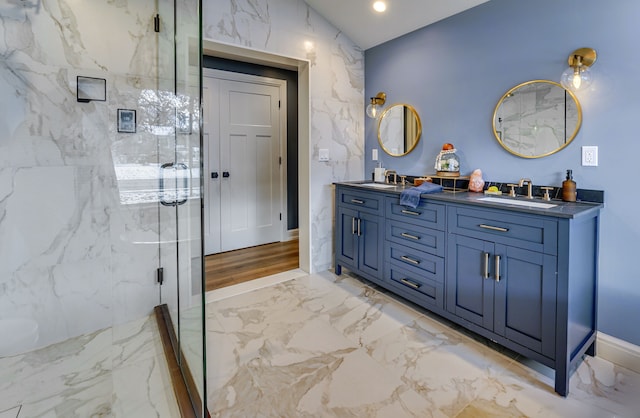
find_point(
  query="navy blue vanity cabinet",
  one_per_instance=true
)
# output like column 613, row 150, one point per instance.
column 525, row 281
column 507, row 290
column 521, row 277
column 359, row 232
column 414, row 251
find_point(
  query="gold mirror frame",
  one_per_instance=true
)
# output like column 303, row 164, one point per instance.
column 503, row 139
column 407, row 133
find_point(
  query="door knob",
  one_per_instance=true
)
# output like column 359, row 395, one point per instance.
column 214, row 175
column 225, row 174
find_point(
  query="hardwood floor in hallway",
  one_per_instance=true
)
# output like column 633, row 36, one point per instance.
column 238, row 266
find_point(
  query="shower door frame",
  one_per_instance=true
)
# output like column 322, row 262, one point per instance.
column 181, row 266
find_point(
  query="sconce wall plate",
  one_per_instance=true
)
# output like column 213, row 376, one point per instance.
column 588, row 55
column 90, row 89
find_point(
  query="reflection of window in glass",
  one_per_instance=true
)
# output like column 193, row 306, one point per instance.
column 164, row 113
column 138, row 158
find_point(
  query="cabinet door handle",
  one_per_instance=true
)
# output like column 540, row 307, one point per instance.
column 494, row 228
column 353, row 226
column 404, row 234
column 497, row 268
column 485, row 272
column 357, row 201
column 410, row 260
column 410, row 283
column 410, row 212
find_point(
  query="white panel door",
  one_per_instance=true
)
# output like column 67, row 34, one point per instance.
column 211, row 157
column 244, row 152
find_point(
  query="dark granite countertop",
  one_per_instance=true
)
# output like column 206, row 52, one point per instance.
column 560, row 210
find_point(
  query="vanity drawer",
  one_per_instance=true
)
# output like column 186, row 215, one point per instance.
column 370, row 202
column 406, row 282
column 426, row 214
column 416, row 261
column 415, row 236
column 535, row 233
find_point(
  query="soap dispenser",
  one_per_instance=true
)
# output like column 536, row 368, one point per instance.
column 378, row 173
column 569, row 188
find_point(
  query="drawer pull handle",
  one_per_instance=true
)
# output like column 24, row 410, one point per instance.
column 410, row 283
column 497, row 268
column 410, row 260
column 404, row 234
column 494, row 228
column 357, row 201
column 485, row 273
column 410, row 212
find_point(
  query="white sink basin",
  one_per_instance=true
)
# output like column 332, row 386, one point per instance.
column 526, row 203
column 378, row 185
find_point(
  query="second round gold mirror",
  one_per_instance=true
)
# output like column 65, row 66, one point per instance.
column 399, row 129
column 536, row 119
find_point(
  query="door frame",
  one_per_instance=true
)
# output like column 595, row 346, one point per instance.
column 302, row 67
column 282, row 86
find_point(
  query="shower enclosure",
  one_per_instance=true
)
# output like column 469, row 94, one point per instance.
column 100, row 205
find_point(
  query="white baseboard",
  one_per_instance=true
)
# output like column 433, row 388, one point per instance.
column 618, row 352
column 291, row 235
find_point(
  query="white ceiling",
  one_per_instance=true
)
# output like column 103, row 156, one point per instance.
column 368, row 28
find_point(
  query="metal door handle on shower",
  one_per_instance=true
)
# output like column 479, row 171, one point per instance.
column 173, row 200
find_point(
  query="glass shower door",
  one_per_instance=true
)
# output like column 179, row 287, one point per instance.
column 180, row 208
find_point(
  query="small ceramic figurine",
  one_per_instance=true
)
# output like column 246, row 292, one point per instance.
column 476, row 184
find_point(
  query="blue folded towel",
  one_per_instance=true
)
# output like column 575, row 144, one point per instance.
column 411, row 197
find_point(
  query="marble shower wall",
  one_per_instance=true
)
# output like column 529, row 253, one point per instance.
column 336, row 77
column 73, row 256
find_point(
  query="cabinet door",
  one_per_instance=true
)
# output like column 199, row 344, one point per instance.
column 347, row 238
column 525, row 298
column 469, row 281
column 371, row 236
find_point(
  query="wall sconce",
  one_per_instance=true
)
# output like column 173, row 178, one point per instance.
column 578, row 76
column 373, row 109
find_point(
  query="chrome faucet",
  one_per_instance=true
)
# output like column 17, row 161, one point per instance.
column 529, row 185
column 387, row 173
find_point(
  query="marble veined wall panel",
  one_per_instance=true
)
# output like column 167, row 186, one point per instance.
column 76, row 253
column 336, row 71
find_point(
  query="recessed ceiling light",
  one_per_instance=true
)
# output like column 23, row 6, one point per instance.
column 379, row 6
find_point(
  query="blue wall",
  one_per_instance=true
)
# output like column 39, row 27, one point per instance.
column 456, row 70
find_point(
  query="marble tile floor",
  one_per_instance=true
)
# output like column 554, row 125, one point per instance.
column 115, row 372
column 336, row 346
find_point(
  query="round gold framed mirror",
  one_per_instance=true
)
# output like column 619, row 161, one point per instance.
column 536, row 118
column 399, row 129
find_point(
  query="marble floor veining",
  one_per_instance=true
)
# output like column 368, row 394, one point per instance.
column 334, row 346
column 116, row 372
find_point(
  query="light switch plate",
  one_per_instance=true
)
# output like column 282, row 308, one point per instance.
column 323, row 154
column 374, row 154
column 590, row 156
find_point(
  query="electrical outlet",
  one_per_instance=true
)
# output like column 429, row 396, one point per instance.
column 323, row 154
column 590, row 156
column 374, row 154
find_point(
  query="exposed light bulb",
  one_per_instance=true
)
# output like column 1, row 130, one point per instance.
column 379, row 6
column 372, row 111
column 577, row 80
